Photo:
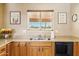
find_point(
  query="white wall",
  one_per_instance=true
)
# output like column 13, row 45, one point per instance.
column 75, row 25
column 60, row 29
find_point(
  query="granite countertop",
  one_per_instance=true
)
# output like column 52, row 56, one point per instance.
column 4, row 42
column 66, row 39
column 57, row 39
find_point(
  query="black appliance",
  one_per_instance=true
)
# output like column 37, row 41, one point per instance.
column 63, row 48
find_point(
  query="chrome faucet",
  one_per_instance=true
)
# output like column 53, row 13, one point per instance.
column 39, row 37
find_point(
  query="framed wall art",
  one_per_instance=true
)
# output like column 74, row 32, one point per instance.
column 62, row 18
column 74, row 17
column 15, row 17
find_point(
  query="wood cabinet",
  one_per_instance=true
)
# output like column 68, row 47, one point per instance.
column 16, row 48
column 10, row 49
column 19, row 49
column 46, row 51
column 30, row 49
column 33, row 49
column 3, row 51
column 23, row 49
column 76, row 49
column 40, row 49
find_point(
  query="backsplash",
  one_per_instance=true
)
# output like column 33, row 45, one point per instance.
column 26, row 34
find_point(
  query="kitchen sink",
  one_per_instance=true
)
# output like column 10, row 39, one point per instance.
column 40, row 39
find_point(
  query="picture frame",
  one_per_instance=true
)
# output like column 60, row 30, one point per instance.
column 62, row 17
column 15, row 17
column 74, row 17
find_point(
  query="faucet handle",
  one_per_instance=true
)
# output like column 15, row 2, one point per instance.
column 30, row 38
column 48, row 38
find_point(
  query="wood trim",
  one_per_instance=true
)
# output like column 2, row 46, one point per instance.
column 40, row 10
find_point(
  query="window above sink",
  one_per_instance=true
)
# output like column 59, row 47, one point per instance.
column 40, row 19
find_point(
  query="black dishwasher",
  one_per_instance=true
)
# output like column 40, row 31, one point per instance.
column 63, row 48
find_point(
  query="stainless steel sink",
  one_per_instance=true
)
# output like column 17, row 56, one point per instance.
column 40, row 39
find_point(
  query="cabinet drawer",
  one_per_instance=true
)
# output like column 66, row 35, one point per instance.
column 40, row 43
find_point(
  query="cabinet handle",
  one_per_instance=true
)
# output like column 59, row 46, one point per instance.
column 25, row 44
column 28, row 43
column 18, row 44
column 39, row 49
column 42, row 49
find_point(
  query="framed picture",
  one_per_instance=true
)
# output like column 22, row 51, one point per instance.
column 62, row 18
column 74, row 17
column 15, row 17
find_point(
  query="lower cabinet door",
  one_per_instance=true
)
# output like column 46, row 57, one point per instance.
column 75, row 48
column 46, row 51
column 40, row 50
column 16, row 49
column 34, row 51
column 23, row 49
column 78, row 49
column 10, row 49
